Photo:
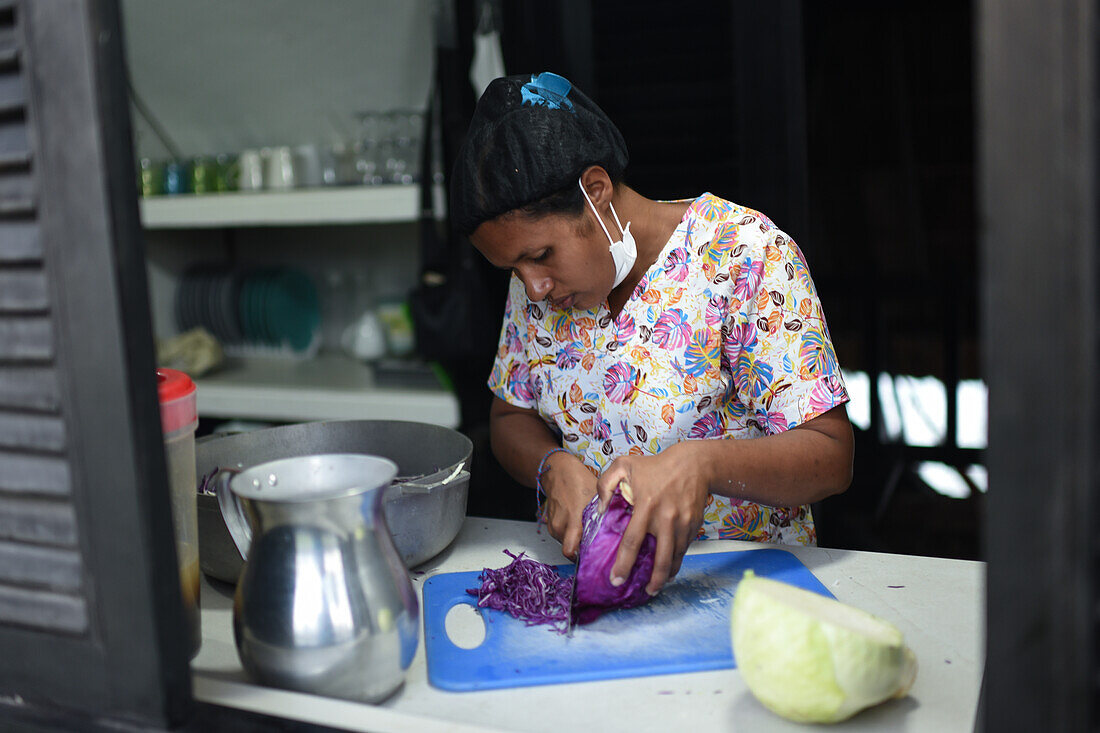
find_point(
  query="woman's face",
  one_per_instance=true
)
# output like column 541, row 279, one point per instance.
column 559, row 258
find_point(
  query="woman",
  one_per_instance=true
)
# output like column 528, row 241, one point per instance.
column 679, row 346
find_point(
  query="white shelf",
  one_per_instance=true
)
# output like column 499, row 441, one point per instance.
column 343, row 205
column 322, row 388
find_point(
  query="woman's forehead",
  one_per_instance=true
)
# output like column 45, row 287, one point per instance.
column 513, row 236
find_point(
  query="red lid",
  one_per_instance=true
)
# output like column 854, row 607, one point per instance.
column 177, row 400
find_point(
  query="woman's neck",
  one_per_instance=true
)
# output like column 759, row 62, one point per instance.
column 652, row 224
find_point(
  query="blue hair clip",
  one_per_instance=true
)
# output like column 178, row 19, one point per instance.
column 549, row 90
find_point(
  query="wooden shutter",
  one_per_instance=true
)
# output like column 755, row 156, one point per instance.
column 1040, row 261
column 89, row 598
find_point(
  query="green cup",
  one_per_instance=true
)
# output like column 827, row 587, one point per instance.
column 151, row 178
column 202, row 175
column 227, row 174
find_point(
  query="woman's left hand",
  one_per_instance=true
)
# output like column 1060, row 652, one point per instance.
column 670, row 493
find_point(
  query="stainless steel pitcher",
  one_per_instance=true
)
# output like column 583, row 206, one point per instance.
column 324, row 603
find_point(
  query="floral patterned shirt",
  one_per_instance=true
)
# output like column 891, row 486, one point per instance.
column 723, row 337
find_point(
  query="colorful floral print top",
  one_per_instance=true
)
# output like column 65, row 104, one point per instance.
column 723, row 337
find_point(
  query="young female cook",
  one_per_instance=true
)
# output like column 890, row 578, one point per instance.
column 678, row 345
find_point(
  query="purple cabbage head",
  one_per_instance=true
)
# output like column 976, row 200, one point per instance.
column 600, row 540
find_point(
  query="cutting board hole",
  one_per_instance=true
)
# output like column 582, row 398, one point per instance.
column 465, row 627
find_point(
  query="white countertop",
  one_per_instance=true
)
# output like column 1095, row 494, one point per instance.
column 937, row 604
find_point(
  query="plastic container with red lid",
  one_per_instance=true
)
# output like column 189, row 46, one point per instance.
column 178, row 420
column 177, row 401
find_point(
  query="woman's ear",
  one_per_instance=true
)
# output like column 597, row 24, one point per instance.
column 598, row 185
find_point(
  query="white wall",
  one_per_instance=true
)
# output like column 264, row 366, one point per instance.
column 225, row 75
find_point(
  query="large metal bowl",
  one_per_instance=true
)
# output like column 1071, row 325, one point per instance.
column 424, row 507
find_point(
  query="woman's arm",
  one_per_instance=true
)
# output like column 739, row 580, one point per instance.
column 520, row 440
column 802, row 465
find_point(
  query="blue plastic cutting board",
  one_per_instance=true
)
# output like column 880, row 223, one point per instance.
column 684, row 629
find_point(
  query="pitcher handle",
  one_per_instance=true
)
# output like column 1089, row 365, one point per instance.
column 233, row 511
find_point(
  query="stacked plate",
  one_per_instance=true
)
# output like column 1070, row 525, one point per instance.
column 268, row 307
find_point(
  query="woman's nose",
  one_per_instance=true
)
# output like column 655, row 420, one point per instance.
column 538, row 287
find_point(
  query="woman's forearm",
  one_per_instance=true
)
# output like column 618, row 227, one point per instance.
column 800, row 466
column 520, row 440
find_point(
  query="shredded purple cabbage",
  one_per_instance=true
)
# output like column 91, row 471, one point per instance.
column 529, row 590
column 600, row 540
column 534, row 592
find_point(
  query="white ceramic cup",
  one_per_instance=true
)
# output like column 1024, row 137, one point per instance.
column 280, row 172
column 251, row 165
column 309, row 172
column 365, row 338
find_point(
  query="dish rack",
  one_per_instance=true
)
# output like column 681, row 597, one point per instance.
column 271, row 312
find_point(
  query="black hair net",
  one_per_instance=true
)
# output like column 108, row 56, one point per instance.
column 531, row 135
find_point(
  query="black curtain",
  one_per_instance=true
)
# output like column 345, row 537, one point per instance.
column 493, row 493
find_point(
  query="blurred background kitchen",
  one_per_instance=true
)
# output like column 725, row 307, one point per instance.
column 293, row 163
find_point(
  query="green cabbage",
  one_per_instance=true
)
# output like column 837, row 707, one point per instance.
column 813, row 659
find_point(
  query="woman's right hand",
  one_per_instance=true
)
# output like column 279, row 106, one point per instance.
column 569, row 486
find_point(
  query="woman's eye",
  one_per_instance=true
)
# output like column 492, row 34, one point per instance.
column 541, row 255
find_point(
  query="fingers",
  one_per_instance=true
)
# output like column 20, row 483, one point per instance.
column 629, row 546
column 676, row 562
column 571, row 542
column 609, row 479
column 566, row 532
column 677, row 559
column 554, row 523
column 662, row 563
column 685, row 535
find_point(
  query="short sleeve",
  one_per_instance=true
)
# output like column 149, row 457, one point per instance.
column 778, row 347
column 510, row 378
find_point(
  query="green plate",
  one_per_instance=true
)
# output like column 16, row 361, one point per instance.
column 245, row 308
column 259, row 312
column 295, row 309
column 230, row 296
column 271, row 327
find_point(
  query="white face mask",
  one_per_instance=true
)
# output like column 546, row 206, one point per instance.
column 624, row 252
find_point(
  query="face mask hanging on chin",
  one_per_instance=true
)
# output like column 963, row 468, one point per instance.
column 624, row 252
